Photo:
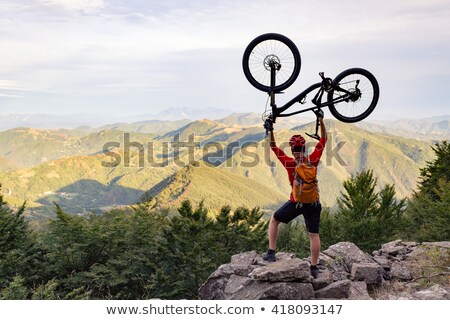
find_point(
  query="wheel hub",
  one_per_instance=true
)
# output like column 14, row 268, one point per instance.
column 272, row 60
column 355, row 94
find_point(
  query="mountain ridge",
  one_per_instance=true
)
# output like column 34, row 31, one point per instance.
column 240, row 150
column 88, row 123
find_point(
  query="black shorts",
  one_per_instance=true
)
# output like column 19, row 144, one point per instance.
column 291, row 210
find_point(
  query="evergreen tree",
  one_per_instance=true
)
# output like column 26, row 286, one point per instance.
column 366, row 217
column 438, row 169
column 428, row 217
column 239, row 231
column 132, row 254
column 19, row 253
column 110, row 256
column 329, row 232
column 46, row 291
column 71, row 245
column 194, row 245
column 185, row 253
column 16, row 290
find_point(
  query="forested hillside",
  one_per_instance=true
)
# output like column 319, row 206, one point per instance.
column 231, row 158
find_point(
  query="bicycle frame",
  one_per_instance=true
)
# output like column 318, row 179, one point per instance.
column 325, row 86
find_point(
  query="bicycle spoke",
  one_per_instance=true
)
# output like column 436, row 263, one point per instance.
column 354, row 108
column 271, row 49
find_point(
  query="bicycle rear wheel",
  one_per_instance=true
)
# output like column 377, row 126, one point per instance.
column 264, row 49
column 359, row 99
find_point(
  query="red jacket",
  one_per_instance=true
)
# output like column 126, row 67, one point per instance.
column 289, row 163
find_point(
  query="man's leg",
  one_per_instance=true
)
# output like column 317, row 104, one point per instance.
column 314, row 244
column 273, row 233
column 286, row 213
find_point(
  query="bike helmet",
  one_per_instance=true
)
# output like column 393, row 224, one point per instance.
column 297, row 141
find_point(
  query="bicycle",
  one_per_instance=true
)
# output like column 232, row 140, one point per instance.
column 272, row 63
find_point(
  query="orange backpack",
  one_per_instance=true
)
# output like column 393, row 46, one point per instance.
column 305, row 187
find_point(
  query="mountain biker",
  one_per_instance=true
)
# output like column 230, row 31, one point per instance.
column 291, row 209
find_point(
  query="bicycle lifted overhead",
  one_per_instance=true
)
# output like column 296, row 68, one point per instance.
column 272, row 62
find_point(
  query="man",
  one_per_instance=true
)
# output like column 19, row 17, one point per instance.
column 291, row 209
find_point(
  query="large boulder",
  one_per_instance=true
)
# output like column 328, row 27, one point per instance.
column 393, row 248
column 336, row 290
column 358, row 291
column 262, row 290
column 370, row 273
column 246, row 258
column 383, row 262
column 283, row 270
column 435, row 292
column 401, row 270
column 347, row 253
column 324, row 278
column 214, row 286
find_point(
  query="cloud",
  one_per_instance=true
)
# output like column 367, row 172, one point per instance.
column 11, row 89
column 84, row 6
column 99, row 48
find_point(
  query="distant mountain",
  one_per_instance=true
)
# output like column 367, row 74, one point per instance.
column 51, row 121
column 7, row 165
column 255, row 119
column 201, row 129
column 158, row 127
column 214, row 186
column 244, row 119
column 434, row 128
column 80, row 184
column 27, row 146
column 72, row 121
column 67, row 168
column 189, row 113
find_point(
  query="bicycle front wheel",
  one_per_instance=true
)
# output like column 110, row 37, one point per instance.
column 355, row 95
column 267, row 48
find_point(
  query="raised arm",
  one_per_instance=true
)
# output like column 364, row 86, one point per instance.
column 323, row 130
column 272, row 139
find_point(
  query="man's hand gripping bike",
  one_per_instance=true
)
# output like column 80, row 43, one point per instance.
column 272, row 62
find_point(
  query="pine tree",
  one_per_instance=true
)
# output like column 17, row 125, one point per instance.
column 71, row 245
column 16, row 290
column 239, row 231
column 438, row 169
column 109, row 256
column 184, row 254
column 366, row 217
column 131, row 251
column 19, row 252
column 428, row 217
column 194, row 245
column 329, row 233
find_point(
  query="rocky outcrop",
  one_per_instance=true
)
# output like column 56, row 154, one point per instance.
column 346, row 272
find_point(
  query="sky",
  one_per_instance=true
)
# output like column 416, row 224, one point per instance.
column 131, row 57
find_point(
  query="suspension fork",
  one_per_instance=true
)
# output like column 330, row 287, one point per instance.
column 274, row 67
